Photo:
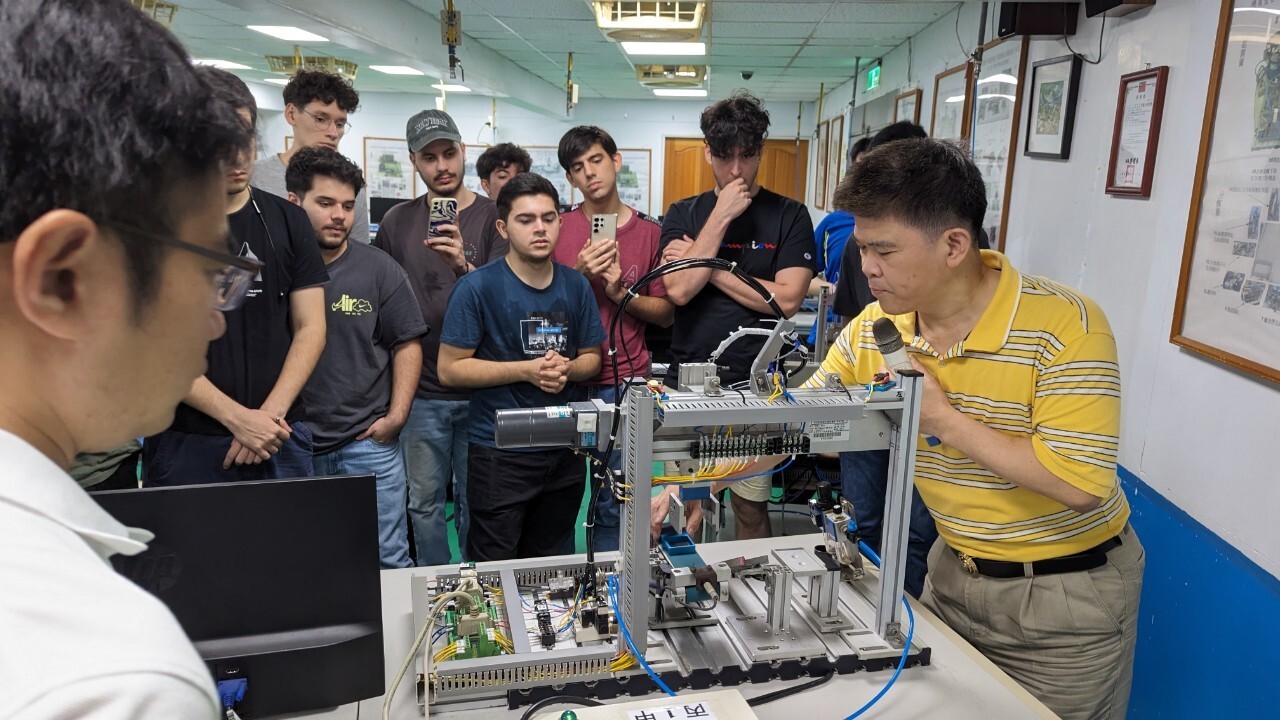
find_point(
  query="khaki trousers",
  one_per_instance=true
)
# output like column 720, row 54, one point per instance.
column 1067, row 638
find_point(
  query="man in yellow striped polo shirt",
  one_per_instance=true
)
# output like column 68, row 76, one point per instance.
column 1036, row 564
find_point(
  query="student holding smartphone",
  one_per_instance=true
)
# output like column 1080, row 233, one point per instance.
column 437, row 239
column 613, row 245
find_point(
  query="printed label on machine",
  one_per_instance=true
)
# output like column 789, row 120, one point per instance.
column 673, row 712
column 560, row 411
column 828, row 430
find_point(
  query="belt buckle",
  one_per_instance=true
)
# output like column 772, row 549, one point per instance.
column 966, row 562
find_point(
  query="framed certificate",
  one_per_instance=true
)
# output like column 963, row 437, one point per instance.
column 1137, row 132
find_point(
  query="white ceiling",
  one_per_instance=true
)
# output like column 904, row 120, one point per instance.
column 791, row 46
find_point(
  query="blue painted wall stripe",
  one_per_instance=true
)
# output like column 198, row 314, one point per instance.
column 1209, row 620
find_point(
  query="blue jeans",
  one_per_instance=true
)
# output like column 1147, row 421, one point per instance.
column 435, row 450
column 605, row 535
column 864, row 479
column 178, row 458
column 361, row 457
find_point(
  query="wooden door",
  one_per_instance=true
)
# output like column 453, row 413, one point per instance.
column 783, row 169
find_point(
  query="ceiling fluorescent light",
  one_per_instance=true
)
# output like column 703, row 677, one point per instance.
column 221, row 64
column 287, row 32
column 664, row 48
column 451, row 88
column 1264, row 10
column 1000, row 78
column 277, row 81
column 955, row 98
column 678, row 92
column 396, row 70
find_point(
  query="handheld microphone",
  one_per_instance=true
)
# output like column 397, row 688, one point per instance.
column 889, row 340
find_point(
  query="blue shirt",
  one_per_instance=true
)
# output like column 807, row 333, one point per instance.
column 831, row 236
column 504, row 320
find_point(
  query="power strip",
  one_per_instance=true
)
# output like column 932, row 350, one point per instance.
column 717, row 705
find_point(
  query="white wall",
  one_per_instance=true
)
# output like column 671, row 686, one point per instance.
column 632, row 124
column 1197, row 432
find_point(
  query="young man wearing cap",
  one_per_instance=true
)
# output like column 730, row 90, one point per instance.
column 316, row 106
column 362, row 389
column 499, row 164
column 435, row 436
column 245, row 419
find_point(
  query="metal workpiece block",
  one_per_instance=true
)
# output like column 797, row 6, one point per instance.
column 824, row 594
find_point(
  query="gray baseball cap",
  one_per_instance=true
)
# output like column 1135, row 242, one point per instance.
column 428, row 126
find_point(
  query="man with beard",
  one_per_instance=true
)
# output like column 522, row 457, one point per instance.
column 521, row 333
column 244, row 419
column 435, row 437
column 362, row 388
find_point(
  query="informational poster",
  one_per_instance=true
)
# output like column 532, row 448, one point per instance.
column 835, row 159
column 546, row 162
column 995, row 127
column 388, row 169
column 820, row 167
column 951, row 95
column 635, row 178
column 1229, row 293
column 470, row 179
column 906, row 106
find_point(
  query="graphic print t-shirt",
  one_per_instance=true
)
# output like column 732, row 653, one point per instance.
column 246, row 361
column 493, row 312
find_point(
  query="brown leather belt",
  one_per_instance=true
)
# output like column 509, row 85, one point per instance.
column 1087, row 560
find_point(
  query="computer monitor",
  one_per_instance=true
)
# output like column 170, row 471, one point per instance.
column 275, row 581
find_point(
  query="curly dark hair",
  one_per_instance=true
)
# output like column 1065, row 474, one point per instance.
column 579, row 140
column 739, row 122
column 307, row 163
column 520, row 186
column 500, row 156
column 157, row 129
column 309, row 85
column 930, row 185
column 901, row 130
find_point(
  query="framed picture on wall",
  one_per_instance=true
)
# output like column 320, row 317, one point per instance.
column 288, row 142
column 1137, row 132
column 952, row 97
column 995, row 128
column 1228, row 302
column 820, row 167
column 388, row 169
column 634, row 179
column 1055, row 85
column 835, row 160
column 906, row 106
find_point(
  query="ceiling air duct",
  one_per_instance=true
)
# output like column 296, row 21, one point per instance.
column 671, row 76
column 636, row 21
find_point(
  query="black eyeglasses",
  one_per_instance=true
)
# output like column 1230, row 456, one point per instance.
column 233, row 281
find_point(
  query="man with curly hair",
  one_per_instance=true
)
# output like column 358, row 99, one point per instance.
column 499, row 164
column 316, row 106
column 362, row 388
column 769, row 236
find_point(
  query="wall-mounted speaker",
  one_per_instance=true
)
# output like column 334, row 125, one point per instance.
column 1024, row 18
column 1114, row 8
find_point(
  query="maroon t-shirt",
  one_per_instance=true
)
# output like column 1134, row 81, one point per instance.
column 401, row 235
column 637, row 254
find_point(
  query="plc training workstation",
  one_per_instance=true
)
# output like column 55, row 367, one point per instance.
column 649, row 619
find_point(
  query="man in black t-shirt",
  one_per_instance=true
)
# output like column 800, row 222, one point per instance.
column 361, row 391
column 242, row 420
column 769, row 236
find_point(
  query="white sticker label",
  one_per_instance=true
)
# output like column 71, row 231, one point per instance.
column 559, row 412
column 829, row 430
column 701, row 710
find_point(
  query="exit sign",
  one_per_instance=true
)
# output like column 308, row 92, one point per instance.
column 873, row 78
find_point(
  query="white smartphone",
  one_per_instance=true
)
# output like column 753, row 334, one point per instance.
column 604, row 227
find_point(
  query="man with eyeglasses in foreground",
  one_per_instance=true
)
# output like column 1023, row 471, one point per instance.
column 113, row 242
column 316, row 105
column 244, row 419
